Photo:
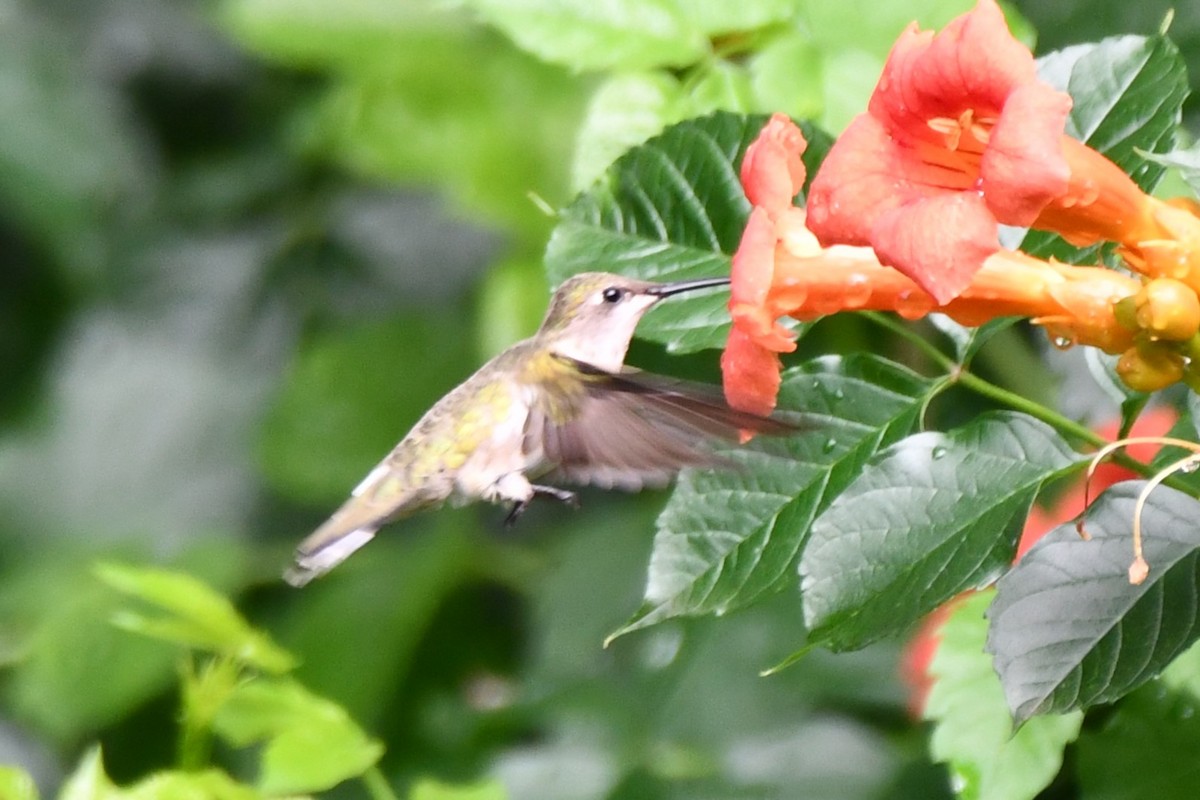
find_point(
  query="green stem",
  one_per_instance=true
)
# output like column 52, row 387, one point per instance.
column 1034, row 409
column 195, row 739
column 195, row 747
column 377, row 785
column 915, row 339
column 957, row 374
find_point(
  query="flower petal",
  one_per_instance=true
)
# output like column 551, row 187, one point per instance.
column 772, row 172
column 973, row 63
column 859, row 181
column 753, row 267
column 957, row 126
column 939, row 242
column 1023, row 167
column 750, row 373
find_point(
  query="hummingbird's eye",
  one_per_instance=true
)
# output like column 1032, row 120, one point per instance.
column 612, row 294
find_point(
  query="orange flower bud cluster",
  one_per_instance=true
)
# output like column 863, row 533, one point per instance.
column 1164, row 316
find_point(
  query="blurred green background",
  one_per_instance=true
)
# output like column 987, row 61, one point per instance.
column 243, row 245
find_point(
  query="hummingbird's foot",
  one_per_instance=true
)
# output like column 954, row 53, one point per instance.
column 561, row 495
column 514, row 513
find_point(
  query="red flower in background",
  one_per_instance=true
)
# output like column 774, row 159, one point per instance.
column 959, row 135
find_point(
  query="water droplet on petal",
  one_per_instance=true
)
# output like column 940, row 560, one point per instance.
column 912, row 304
column 938, row 452
column 857, row 291
column 1062, row 342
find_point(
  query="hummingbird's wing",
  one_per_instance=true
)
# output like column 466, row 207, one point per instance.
column 634, row 429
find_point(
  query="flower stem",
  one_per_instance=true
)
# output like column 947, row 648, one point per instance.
column 377, row 785
column 915, row 339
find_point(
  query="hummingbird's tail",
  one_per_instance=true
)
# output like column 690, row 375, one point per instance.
column 325, row 549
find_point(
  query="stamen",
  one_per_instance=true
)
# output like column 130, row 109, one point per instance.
column 951, row 129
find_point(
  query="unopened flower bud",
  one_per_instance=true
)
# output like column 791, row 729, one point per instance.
column 1168, row 309
column 1191, row 377
column 1125, row 310
column 1148, row 368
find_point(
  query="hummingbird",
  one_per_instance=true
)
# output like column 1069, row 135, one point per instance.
column 559, row 405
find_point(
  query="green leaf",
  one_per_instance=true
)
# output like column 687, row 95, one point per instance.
column 16, row 784
column 420, row 93
column 584, row 35
column 511, row 302
column 727, row 537
column 972, row 731
column 210, row 784
column 429, row 789
column 197, row 616
column 625, row 110
column 459, row 119
column 1131, row 408
column 1068, row 628
column 88, row 781
column 786, row 75
column 53, row 609
column 351, row 36
column 721, row 86
column 935, row 515
column 1146, row 748
column 1186, row 160
column 717, row 17
column 1102, row 368
column 876, row 25
column 625, row 34
column 670, row 209
column 311, row 743
column 68, row 696
column 969, row 341
column 1128, row 93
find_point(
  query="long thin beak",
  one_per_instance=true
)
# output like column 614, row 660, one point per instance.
column 676, row 287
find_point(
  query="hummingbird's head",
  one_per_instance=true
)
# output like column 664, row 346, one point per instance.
column 592, row 315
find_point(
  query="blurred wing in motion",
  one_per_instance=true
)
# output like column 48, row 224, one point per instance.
column 635, row 429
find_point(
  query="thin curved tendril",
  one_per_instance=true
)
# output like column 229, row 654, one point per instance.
column 1139, row 569
column 1112, row 447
